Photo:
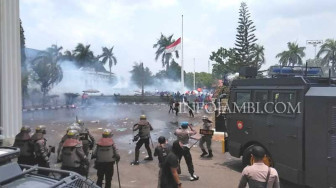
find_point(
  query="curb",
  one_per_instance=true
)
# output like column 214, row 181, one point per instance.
column 108, row 104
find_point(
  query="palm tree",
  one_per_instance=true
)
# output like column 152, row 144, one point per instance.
column 328, row 51
column 108, row 56
column 46, row 72
column 292, row 56
column 55, row 51
column 83, row 55
column 68, row 56
column 161, row 45
column 258, row 56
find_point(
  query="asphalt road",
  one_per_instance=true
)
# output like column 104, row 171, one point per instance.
column 221, row 171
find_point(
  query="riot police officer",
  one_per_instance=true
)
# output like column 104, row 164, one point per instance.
column 24, row 142
column 106, row 154
column 183, row 134
column 41, row 151
column 72, row 155
column 74, row 126
column 207, row 124
column 86, row 138
column 144, row 128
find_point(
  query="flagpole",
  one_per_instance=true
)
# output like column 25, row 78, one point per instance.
column 194, row 76
column 182, row 65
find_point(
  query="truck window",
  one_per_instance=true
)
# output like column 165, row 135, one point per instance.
column 242, row 97
column 262, row 98
column 284, row 97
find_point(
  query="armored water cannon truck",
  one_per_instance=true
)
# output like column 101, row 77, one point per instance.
column 292, row 115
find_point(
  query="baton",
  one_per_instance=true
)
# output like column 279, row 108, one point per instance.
column 118, row 175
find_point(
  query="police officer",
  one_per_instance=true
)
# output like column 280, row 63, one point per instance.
column 207, row 124
column 259, row 174
column 74, row 126
column 183, row 134
column 41, row 151
column 72, row 155
column 144, row 128
column 24, row 142
column 86, row 138
column 106, row 154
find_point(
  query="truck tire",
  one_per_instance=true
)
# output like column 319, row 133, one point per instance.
column 247, row 156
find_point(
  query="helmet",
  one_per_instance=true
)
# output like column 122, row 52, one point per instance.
column 80, row 123
column 204, row 118
column 25, row 128
column 184, row 124
column 162, row 140
column 73, row 127
column 107, row 133
column 143, row 117
column 72, row 133
column 41, row 129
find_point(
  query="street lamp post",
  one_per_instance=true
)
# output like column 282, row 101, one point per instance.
column 314, row 43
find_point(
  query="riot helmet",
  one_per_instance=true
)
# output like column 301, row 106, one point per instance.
column 184, row 124
column 107, row 133
column 41, row 129
column 143, row 117
column 72, row 134
column 25, row 129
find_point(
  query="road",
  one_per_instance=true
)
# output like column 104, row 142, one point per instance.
column 221, row 171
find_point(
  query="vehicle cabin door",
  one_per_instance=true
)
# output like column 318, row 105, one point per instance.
column 239, row 121
column 285, row 128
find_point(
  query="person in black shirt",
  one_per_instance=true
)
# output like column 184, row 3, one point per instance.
column 169, row 177
column 161, row 151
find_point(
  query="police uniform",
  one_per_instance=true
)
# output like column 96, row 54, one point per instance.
column 106, row 154
column 183, row 135
column 144, row 128
column 74, row 126
column 207, row 124
column 86, row 138
column 256, row 175
column 72, row 156
column 41, row 151
column 26, row 146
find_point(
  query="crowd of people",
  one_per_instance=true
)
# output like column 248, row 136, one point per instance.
column 78, row 147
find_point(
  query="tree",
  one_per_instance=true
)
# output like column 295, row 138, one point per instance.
column 141, row 75
column 24, row 70
column 292, row 56
column 245, row 38
column 161, row 45
column 328, row 54
column 46, row 72
column 108, row 55
column 258, row 56
column 68, row 56
column 55, row 51
column 83, row 55
column 224, row 62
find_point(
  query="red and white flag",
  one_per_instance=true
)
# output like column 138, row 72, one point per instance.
column 174, row 46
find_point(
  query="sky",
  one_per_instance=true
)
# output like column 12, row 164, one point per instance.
column 133, row 26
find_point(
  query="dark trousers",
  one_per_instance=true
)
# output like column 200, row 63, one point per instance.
column 27, row 160
column 42, row 163
column 185, row 152
column 191, row 114
column 171, row 109
column 104, row 169
column 176, row 110
column 140, row 143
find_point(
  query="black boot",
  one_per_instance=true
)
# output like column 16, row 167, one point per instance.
column 136, row 160
column 149, row 158
column 204, row 153
column 210, row 154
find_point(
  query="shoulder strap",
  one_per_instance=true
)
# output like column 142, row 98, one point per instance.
column 268, row 175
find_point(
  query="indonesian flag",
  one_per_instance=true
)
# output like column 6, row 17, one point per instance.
column 174, row 46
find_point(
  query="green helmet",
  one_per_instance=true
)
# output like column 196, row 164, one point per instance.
column 41, row 129
column 25, row 128
column 72, row 134
column 80, row 122
column 143, row 117
column 107, row 133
